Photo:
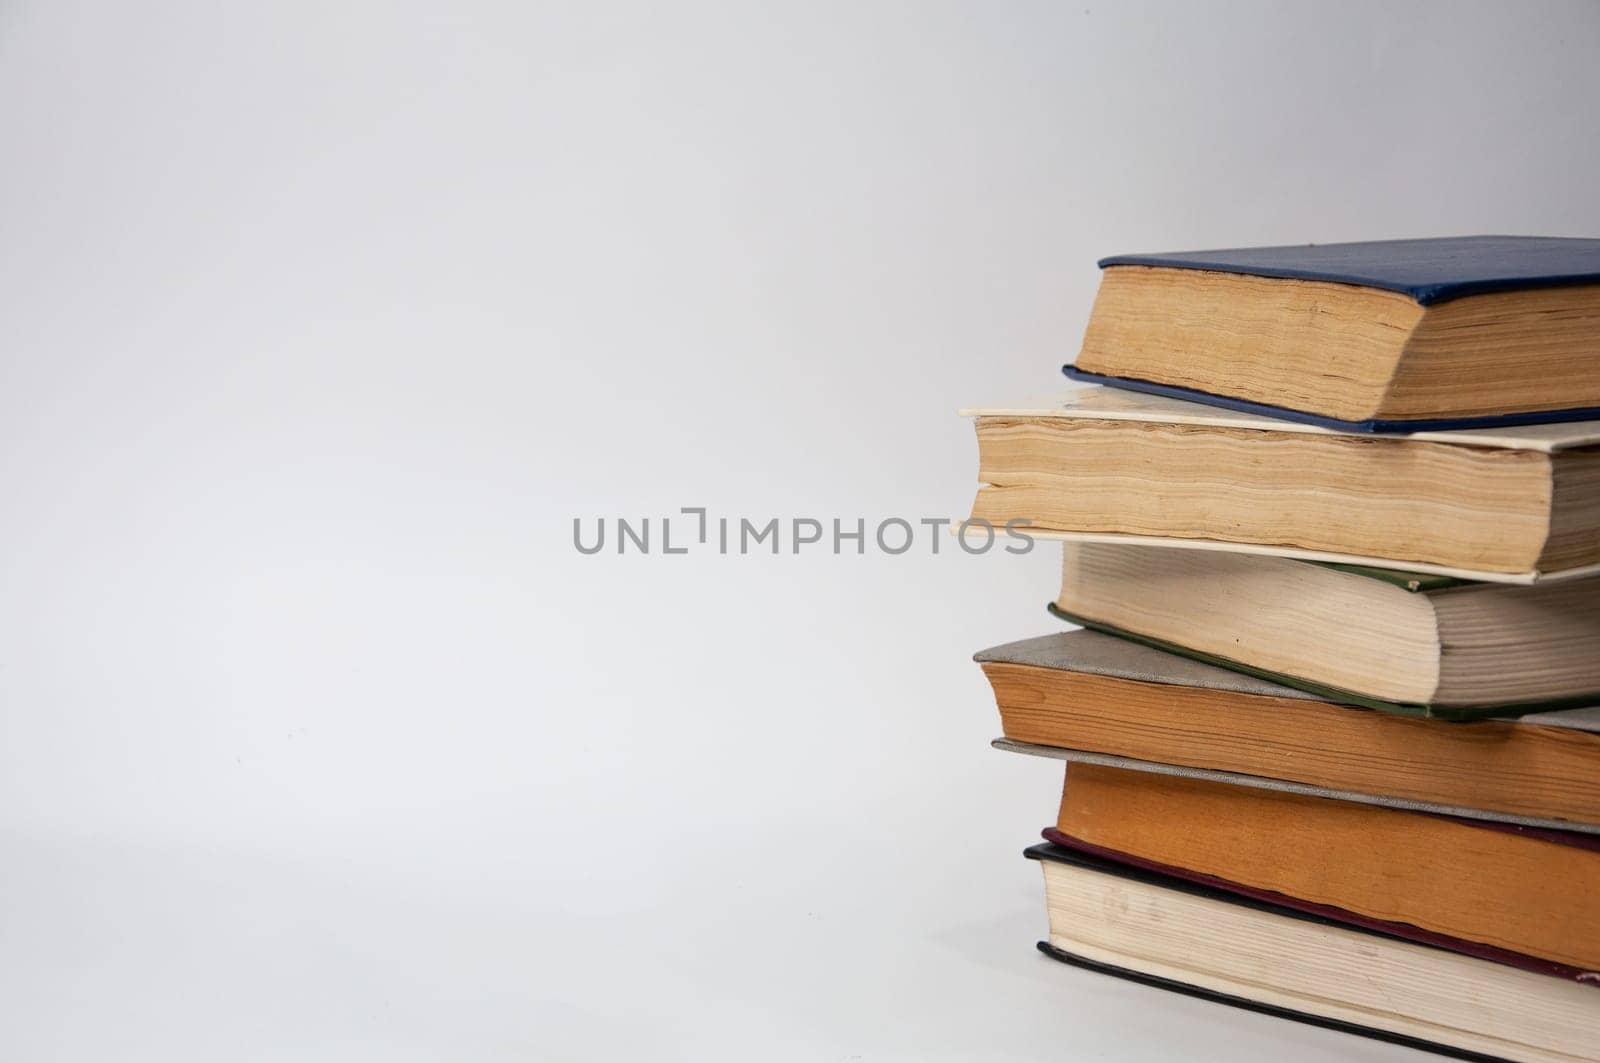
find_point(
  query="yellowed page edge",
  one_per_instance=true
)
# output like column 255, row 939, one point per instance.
column 1094, row 402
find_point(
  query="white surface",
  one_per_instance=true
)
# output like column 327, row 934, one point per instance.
column 321, row 324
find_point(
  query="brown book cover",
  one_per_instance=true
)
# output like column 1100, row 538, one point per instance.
column 1515, row 895
column 1086, row 691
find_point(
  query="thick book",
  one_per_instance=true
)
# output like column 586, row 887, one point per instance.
column 1190, row 938
column 1388, row 639
column 1391, row 335
column 1507, row 505
column 1083, row 690
column 1510, row 894
column 1288, row 786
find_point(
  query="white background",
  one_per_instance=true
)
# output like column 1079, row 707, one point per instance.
column 321, row 323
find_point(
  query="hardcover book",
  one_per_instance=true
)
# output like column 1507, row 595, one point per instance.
column 1390, row 335
column 1400, row 641
column 1508, row 505
column 1289, row 786
column 1082, row 690
column 1511, row 894
column 1190, row 938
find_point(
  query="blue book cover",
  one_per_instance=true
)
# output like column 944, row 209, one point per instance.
column 1429, row 271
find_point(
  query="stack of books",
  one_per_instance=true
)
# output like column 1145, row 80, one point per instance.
column 1331, row 531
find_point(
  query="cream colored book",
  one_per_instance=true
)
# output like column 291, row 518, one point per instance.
column 1388, row 639
column 1193, row 939
column 1512, row 505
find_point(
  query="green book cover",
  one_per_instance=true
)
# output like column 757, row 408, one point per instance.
column 1415, row 582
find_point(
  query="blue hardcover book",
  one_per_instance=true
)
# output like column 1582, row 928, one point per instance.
column 1385, row 336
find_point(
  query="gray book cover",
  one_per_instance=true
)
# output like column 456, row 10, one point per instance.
column 1097, row 654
